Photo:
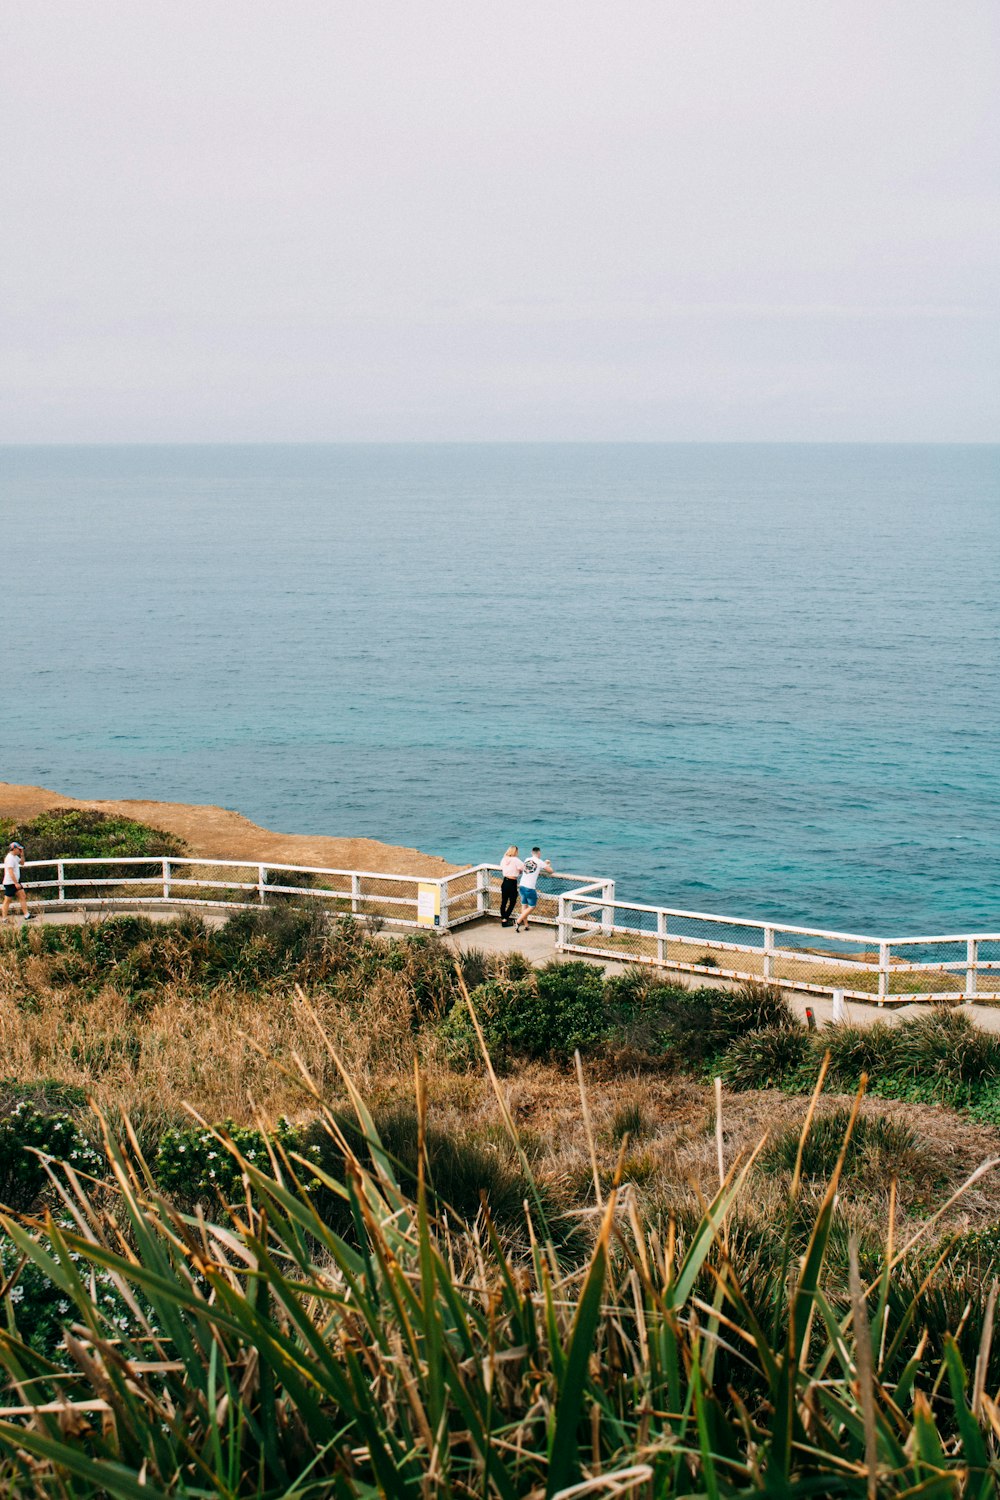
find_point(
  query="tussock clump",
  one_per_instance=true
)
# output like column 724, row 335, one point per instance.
column 629, row 1119
column 755, row 1007
column 465, row 1170
column 881, row 1150
column 941, row 1056
column 767, row 1058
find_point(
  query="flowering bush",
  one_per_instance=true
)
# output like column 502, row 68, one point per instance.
column 25, row 1130
column 40, row 1311
column 192, row 1165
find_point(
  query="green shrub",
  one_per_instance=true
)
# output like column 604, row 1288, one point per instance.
column 114, row 938
column 26, row 1129
column 40, row 1311
column 82, row 833
column 766, row 1058
column 263, row 944
column 559, row 1009
column 693, row 1028
column 193, row 1167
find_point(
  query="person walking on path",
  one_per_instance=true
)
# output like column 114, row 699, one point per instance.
column 534, row 866
column 12, row 886
column 510, row 869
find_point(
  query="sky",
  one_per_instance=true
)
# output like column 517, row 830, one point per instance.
column 719, row 220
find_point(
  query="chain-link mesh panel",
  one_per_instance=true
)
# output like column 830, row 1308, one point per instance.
column 613, row 931
column 731, row 948
column 988, row 968
column 640, row 935
column 927, row 968
column 466, row 897
column 814, row 961
column 217, row 884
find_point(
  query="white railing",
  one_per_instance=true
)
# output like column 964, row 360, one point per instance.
column 814, row 959
column 229, row 884
column 588, row 918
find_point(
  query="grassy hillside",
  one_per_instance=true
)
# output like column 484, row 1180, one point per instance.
column 332, row 1280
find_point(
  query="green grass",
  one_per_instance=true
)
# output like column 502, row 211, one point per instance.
column 80, row 833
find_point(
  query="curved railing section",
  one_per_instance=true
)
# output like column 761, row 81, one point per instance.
column 588, row 918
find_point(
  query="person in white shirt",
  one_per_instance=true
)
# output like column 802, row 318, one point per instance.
column 12, row 886
column 534, row 866
column 510, row 869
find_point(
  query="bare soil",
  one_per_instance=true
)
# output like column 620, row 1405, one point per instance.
column 218, row 832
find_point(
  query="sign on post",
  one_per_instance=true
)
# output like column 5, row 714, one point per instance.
column 428, row 904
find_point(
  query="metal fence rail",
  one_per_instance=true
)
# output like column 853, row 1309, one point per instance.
column 588, row 918
column 802, row 958
column 234, row 884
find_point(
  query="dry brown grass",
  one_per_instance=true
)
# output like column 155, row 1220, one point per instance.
column 674, row 1164
column 230, row 1056
column 235, row 1055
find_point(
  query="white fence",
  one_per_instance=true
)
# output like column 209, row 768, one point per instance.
column 589, row 921
column 947, row 967
column 141, row 881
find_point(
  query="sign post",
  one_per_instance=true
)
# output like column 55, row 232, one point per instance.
column 428, row 904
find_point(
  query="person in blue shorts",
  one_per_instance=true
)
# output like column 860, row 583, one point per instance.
column 534, row 866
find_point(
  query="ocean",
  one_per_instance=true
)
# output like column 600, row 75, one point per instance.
column 758, row 680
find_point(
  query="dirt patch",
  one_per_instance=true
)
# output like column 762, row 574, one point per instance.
column 217, row 832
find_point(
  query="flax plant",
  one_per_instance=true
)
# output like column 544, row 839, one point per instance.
column 417, row 1355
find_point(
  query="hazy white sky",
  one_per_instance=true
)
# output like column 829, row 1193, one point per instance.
column 321, row 220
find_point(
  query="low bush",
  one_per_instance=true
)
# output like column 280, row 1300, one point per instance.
column 263, row 944
column 83, row 833
column 193, row 1167
column 26, row 1130
column 560, row 1009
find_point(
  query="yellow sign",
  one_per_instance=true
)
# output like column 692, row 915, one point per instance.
column 428, row 904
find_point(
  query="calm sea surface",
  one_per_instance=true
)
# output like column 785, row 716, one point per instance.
column 758, row 680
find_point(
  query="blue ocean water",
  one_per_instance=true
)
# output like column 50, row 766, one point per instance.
column 759, row 680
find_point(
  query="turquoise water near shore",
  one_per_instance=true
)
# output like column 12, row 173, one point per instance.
column 760, row 680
